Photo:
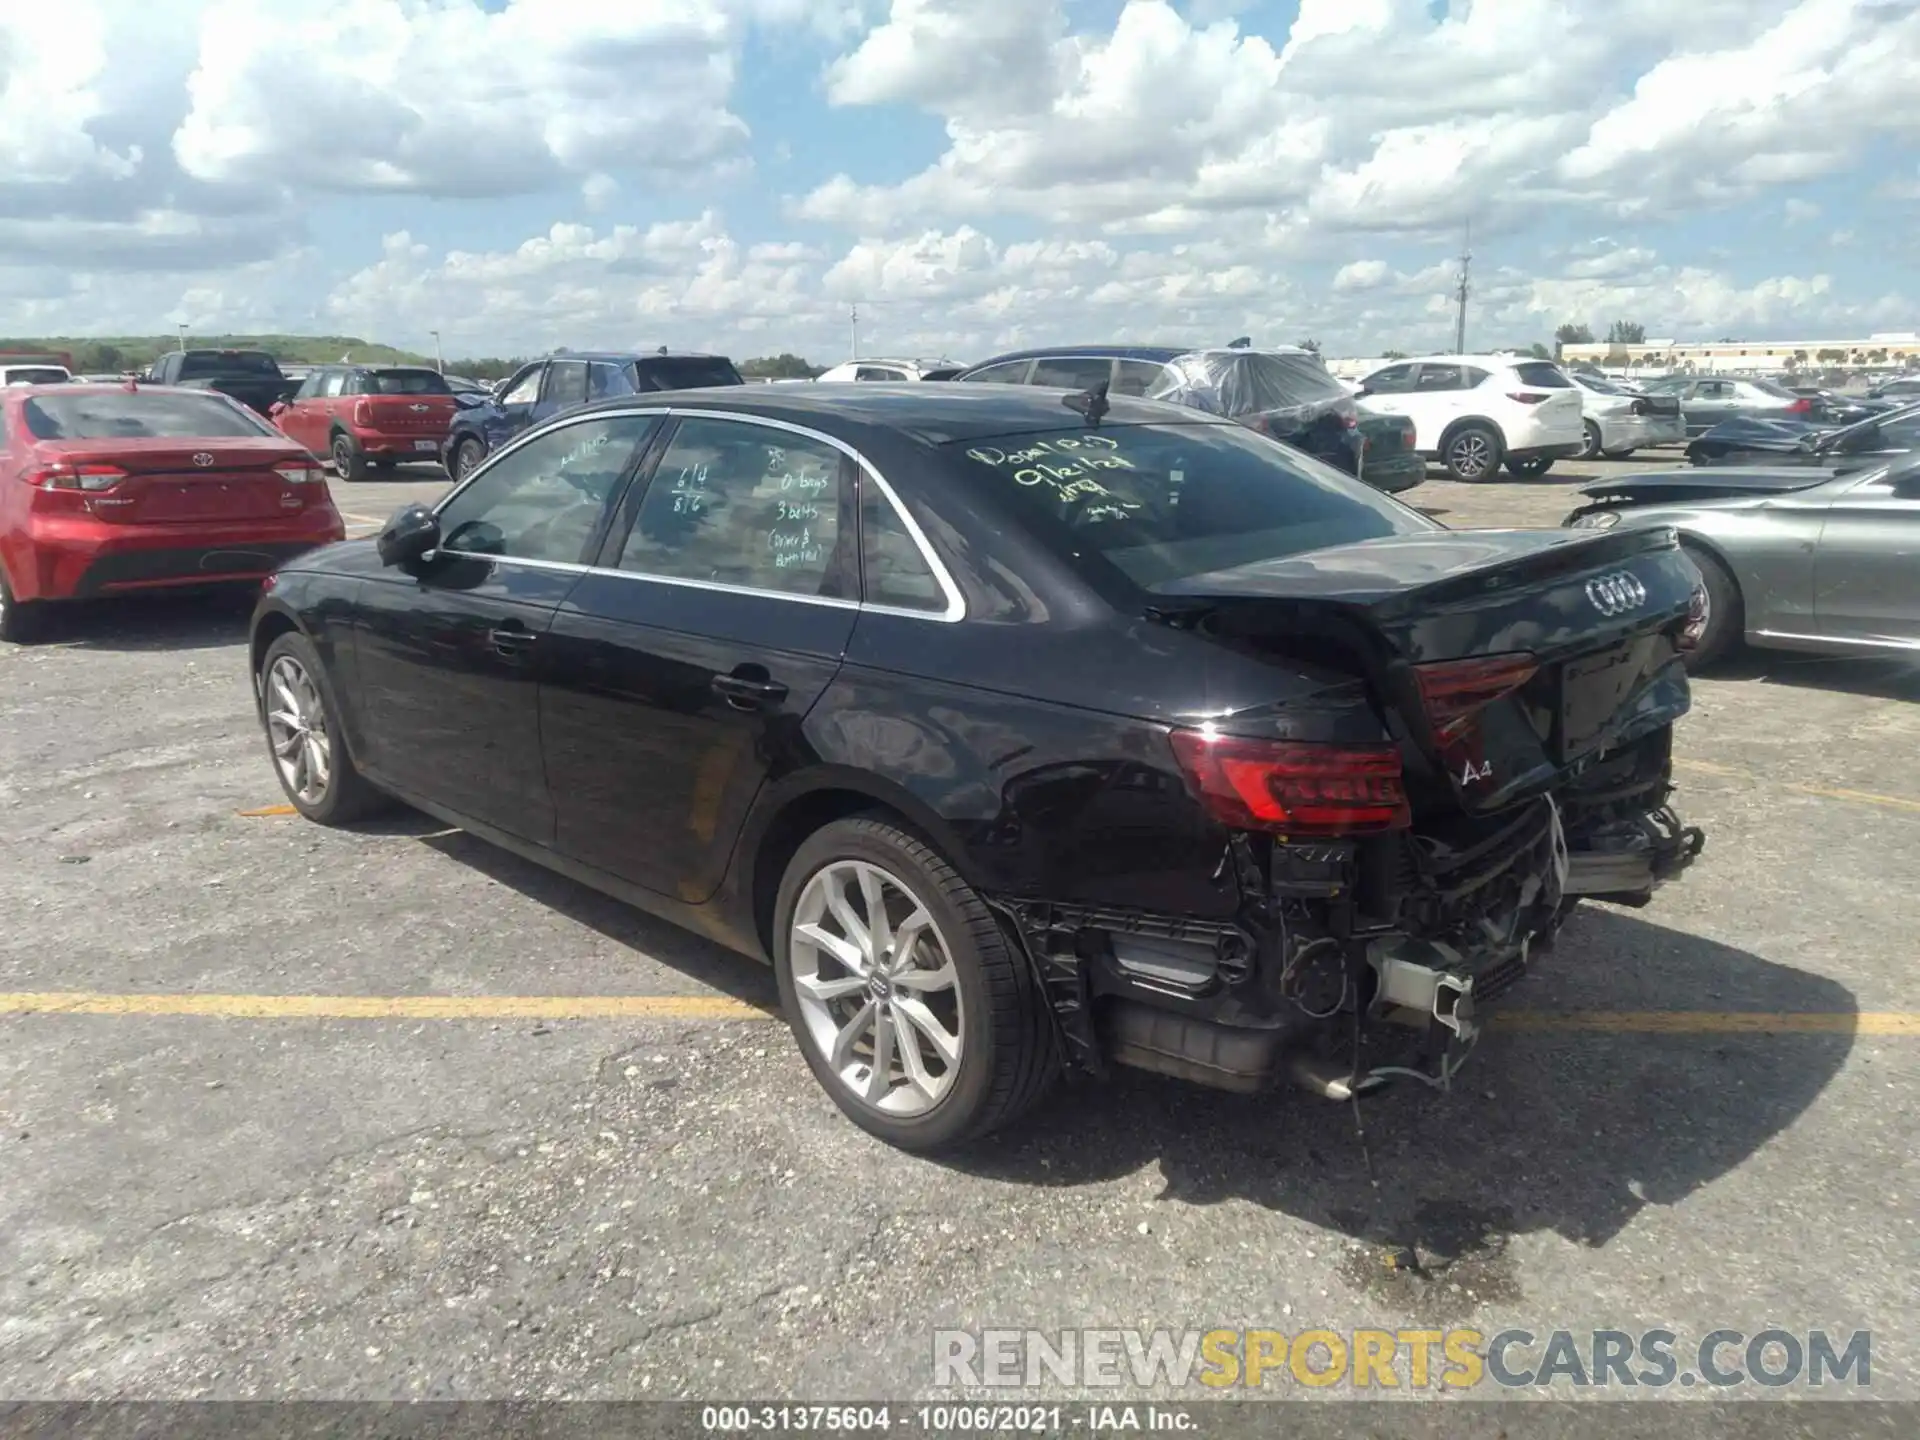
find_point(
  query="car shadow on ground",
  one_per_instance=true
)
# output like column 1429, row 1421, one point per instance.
column 1574, row 1133
column 694, row 956
column 185, row 621
column 1881, row 679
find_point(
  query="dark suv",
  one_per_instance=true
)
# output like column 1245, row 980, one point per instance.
column 1286, row 393
column 561, row 382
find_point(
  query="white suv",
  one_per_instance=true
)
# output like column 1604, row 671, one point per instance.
column 882, row 369
column 1474, row 412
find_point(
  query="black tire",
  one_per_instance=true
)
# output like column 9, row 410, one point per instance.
column 1620, row 454
column 349, row 461
column 1007, row 1054
column 468, row 453
column 1590, row 446
column 1531, row 468
column 348, row 795
column 20, row 620
column 1472, row 453
column 1726, row 612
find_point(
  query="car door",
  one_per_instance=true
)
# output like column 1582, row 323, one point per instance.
column 499, row 423
column 1867, row 568
column 450, row 649
column 1708, row 402
column 681, row 668
column 302, row 420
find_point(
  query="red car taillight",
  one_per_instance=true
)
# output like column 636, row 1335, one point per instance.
column 363, row 414
column 1802, row 406
column 301, row 474
column 1293, row 788
column 1528, row 397
column 1454, row 692
column 75, row 477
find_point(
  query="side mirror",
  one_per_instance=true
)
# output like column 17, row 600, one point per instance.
column 411, row 533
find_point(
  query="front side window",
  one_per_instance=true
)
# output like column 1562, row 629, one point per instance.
column 310, row 386
column 734, row 503
column 1154, row 504
column 1394, row 380
column 526, row 389
column 566, row 383
column 1072, row 373
column 1011, row 372
column 544, row 500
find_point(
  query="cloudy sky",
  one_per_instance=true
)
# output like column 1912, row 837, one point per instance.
column 971, row 174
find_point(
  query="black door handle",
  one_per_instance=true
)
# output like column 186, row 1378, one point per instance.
column 747, row 692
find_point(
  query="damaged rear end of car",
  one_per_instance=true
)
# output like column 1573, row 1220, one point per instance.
column 1400, row 849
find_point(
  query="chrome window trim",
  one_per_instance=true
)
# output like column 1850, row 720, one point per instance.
column 956, row 606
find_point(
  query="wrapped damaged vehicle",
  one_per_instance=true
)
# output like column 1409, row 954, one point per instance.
column 1020, row 731
column 1286, row 393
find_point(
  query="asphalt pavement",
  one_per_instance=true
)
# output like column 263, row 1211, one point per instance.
column 388, row 1114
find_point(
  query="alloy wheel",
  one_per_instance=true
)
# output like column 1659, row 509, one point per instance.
column 877, row 988
column 1472, row 456
column 297, row 730
column 342, row 456
column 464, row 459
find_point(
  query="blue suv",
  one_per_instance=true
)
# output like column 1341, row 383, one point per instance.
column 564, row 381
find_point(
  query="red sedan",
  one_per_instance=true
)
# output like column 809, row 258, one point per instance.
column 113, row 489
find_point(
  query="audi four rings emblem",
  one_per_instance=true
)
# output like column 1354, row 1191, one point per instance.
column 1617, row 593
column 203, row 459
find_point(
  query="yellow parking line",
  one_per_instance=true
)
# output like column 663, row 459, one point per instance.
column 265, row 810
column 1823, row 792
column 719, row 1007
column 386, row 1007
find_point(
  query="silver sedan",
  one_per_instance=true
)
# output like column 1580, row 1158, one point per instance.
column 1795, row 558
column 1618, row 421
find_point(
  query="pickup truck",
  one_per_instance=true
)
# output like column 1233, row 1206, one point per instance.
column 252, row 377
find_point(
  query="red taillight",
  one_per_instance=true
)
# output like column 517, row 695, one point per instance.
column 1802, row 406
column 75, row 477
column 363, row 414
column 1454, row 692
column 299, row 474
column 1294, row 788
column 1528, row 397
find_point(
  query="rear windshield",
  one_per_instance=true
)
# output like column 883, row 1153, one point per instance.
column 137, row 415
column 1159, row 503
column 690, row 372
column 1601, row 386
column 1237, row 382
column 198, row 364
column 1541, row 374
column 407, row 382
column 27, row 375
column 1769, row 387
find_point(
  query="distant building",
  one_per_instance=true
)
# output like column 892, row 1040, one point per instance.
column 1884, row 353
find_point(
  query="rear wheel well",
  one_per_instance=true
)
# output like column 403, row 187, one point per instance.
column 1471, row 420
column 270, row 629
column 789, row 831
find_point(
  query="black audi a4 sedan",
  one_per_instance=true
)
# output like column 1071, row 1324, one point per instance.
column 1019, row 729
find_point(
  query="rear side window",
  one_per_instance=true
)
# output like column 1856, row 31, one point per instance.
column 733, row 503
column 1136, row 377
column 1542, row 376
column 138, row 415
column 1154, row 504
column 405, row 382
column 606, row 380
column 687, row 372
column 876, row 372
column 892, row 569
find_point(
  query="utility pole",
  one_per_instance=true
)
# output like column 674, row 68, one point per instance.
column 181, row 327
column 853, row 332
column 1466, row 267
column 439, row 360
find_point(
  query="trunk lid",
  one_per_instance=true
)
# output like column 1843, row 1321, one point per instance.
column 1503, row 661
column 414, row 416
column 167, row 481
